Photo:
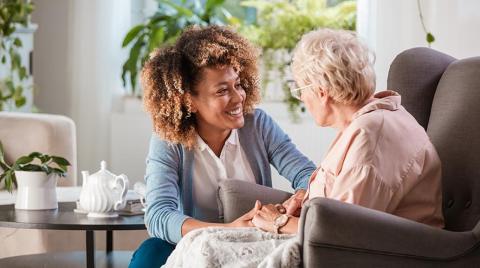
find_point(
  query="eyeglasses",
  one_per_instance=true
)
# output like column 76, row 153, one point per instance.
column 295, row 90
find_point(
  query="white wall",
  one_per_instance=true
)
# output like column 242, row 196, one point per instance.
column 51, row 66
column 77, row 63
column 96, row 56
column 391, row 26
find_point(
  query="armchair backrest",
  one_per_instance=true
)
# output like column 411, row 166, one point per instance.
column 23, row 133
column 443, row 94
column 415, row 74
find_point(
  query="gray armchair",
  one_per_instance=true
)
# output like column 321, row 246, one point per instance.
column 443, row 94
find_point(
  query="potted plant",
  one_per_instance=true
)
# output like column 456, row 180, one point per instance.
column 13, row 13
column 35, row 176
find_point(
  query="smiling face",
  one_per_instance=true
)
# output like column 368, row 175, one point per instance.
column 218, row 100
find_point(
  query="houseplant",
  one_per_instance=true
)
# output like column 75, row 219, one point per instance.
column 13, row 13
column 163, row 28
column 280, row 25
column 35, row 176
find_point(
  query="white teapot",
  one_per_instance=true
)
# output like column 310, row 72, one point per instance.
column 103, row 192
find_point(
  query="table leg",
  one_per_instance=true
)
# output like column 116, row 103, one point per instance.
column 90, row 252
column 109, row 241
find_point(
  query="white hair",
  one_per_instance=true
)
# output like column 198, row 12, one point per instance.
column 338, row 63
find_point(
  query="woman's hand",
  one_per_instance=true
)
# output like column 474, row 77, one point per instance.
column 265, row 217
column 293, row 205
column 246, row 220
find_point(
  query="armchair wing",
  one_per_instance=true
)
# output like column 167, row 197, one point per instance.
column 337, row 234
column 236, row 197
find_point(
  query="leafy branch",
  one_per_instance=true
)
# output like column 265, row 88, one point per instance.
column 49, row 164
column 12, row 14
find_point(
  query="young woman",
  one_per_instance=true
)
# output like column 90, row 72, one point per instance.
column 200, row 93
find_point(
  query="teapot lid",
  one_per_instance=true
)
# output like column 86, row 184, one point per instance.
column 103, row 172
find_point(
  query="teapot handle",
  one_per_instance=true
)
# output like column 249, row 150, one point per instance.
column 120, row 204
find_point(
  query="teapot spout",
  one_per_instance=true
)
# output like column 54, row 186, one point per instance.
column 84, row 177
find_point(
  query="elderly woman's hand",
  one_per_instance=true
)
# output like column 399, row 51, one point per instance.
column 265, row 217
column 293, row 205
column 246, row 219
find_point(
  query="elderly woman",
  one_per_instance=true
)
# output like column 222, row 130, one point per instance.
column 381, row 158
column 200, row 93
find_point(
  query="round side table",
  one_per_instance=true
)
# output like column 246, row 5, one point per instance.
column 64, row 218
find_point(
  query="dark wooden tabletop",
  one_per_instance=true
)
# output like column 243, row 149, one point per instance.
column 64, row 218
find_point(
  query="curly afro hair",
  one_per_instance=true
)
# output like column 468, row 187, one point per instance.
column 174, row 70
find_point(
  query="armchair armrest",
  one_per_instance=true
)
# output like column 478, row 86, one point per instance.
column 334, row 232
column 236, row 197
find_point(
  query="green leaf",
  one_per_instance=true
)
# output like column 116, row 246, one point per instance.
column 45, row 158
column 19, row 102
column 59, row 172
column 4, row 59
column 133, row 78
column 22, row 73
column 430, row 38
column 60, row 161
column 17, row 42
column 132, row 34
column 10, row 30
column 16, row 60
column 31, row 167
column 124, row 73
column 211, row 5
column 18, row 91
column 10, row 85
column 131, row 64
column 4, row 166
column 2, row 153
column 35, row 154
column 64, row 168
column 9, row 178
column 156, row 39
column 23, row 160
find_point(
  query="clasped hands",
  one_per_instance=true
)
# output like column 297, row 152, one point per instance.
column 263, row 216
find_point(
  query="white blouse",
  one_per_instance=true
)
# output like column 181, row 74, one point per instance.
column 209, row 170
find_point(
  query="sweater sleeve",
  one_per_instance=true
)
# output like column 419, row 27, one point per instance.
column 283, row 154
column 164, row 216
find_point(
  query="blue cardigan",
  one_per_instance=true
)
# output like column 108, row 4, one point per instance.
column 169, row 172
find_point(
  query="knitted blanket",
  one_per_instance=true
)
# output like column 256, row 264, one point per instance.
column 235, row 247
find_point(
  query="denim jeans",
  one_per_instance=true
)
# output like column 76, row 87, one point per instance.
column 152, row 253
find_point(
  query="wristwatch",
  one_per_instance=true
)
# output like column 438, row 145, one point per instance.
column 279, row 222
